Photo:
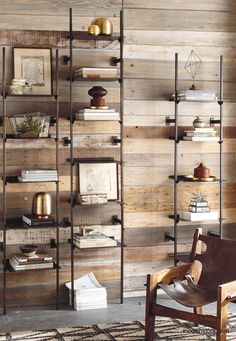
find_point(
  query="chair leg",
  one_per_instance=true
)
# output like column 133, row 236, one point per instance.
column 150, row 318
column 222, row 315
column 197, row 310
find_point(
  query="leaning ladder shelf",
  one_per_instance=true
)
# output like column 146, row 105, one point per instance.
column 84, row 36
column 176, row 177
column 5, row 225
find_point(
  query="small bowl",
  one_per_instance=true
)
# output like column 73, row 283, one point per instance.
column 29, row 249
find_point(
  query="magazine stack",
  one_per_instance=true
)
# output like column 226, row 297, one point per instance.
column 88, row 293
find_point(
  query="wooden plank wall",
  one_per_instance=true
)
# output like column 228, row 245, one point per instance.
column 154, row 31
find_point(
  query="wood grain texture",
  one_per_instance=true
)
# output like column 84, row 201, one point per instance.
column 161, row 20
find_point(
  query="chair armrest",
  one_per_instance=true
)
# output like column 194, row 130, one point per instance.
column 228, row 291
column 166, row 275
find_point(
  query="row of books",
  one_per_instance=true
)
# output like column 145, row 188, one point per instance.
column 91, row 72
column 88, row 114
column 95, row 240
column 20, row 262
column 201, row 134
column 32, row 175
column 196, row 95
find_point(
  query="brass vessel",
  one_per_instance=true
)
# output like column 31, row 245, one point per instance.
column 105, row 25
column 42, row 205
column 94, row 30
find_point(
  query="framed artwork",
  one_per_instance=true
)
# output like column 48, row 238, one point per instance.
column 99, row 177
column 35, row 66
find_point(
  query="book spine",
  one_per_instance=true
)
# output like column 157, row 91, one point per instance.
column 198, row 203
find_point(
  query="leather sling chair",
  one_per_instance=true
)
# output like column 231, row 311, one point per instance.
column 210, row 276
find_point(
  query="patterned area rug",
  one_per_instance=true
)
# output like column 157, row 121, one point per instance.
column 168, row 329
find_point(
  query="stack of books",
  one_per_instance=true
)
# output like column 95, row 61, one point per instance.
column 20, row 262
column 33, row 175
column 32, row 220
column 90, row 241
column 88, row 293
column 88, row 114
column 92, row 72
column 92, row 199
column 196, row 95
column 201, row 134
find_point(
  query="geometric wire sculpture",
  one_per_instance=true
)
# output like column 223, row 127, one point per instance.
column 192, row 66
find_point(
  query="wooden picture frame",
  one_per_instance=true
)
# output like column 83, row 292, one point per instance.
column 98, row 177
column 35, row 66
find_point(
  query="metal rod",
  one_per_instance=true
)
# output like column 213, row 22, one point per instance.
column 71, row 159
column 176, row 159
column 221, row 145
column 122, row 149
column 4, row 179
column 57, row 184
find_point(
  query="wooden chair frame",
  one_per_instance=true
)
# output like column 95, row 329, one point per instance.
column 225, row 293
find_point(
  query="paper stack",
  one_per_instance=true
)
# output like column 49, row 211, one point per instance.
column 201, row 134
column 37, row 261
column 34, row 175
column 88, row 293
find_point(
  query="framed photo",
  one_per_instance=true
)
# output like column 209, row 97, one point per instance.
column 35, row 66
column 99, row 177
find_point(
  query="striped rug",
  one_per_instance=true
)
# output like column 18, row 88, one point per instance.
column 166, row 329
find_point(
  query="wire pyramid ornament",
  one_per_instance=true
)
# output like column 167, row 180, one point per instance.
column 192, row 66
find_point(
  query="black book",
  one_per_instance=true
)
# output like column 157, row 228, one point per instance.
column 34, row 221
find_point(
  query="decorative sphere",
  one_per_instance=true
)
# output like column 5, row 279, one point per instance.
column 94, row 30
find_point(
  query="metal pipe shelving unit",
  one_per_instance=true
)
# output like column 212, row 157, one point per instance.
column 115, row 61
column 5, row 226
column 177, row 179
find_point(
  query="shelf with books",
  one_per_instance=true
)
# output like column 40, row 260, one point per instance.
column 98, row 183
column 201, row 133
column 10, row 269
column 27, row 176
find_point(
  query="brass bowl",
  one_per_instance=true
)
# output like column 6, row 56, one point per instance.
column 105, row 25
column 94, row 30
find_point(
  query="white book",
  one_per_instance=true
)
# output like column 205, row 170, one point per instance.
column 212, row 133
column 38, row 171
column 192, row 216
column 201, row 138
column 41, row 179
column 88, row 110
column 98, row 117
column 197, row 93
column 200, row 130
column 200, row 99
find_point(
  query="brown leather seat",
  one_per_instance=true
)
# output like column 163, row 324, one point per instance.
column 211, row 276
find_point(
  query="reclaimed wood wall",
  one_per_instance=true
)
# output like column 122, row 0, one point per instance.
column 154, row 31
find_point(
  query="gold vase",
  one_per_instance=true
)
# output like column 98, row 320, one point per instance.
column 105, row 25
column 42, row 205
column 94, row 30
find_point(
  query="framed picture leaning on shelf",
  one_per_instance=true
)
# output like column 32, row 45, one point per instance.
column 35, row 66
column 98, row 177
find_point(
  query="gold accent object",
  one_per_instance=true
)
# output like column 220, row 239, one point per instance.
column 105, row 25
column 42, row 205
column 94, row 30
column 192, row 178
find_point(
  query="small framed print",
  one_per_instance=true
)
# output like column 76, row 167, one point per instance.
column 35, row 66
column 99, row 177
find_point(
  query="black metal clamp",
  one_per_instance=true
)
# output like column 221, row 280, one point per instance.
column 53, row 244
column 115, row 140
column 169, row 120
column 115, row 61
column 66, row 141
column 115, row 220
column 66, row 60
column 213, row 121
column 168, row 237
